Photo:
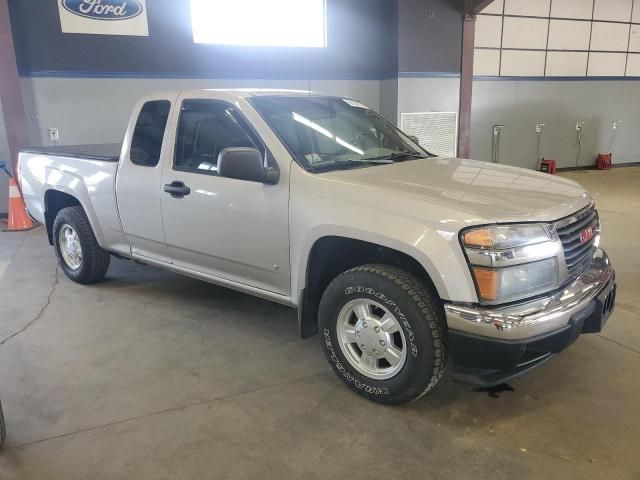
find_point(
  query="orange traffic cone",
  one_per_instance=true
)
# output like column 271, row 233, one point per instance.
column 19, row 220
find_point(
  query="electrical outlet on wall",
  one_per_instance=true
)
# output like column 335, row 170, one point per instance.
column 54, row 135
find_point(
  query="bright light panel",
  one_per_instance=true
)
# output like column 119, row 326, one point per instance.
column 267, row 23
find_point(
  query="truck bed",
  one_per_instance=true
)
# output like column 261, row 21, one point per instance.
column 108, row 152
column 88, row 173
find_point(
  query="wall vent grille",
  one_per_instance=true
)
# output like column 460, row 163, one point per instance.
column 437, row 131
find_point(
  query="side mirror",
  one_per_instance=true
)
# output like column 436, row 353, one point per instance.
column 245, row 163
column 414, row 139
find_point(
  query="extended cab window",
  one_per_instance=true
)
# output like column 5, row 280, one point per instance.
column 149, row 132
column 205, row 129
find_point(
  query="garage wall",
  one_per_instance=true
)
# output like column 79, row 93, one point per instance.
column 521, row 104
column 96, row 110
column 357, row 47
column 389, row 98
column 429, row 36
column 4, row 155
column 519, row 96
column 557, row 62
column 429, row 55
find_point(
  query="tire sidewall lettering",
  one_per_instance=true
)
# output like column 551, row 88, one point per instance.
column 394, row 308
column 420, row 318
column 343, row 371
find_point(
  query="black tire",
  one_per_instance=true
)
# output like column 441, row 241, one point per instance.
column 420, row 315
column 95, row 260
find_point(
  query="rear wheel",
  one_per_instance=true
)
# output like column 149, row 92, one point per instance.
column 78, row 252
column 384, row 333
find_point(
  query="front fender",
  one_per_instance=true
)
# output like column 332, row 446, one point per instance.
column 325, row 206
column 439, row 257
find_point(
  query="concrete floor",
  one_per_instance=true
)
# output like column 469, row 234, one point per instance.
column 153, row 375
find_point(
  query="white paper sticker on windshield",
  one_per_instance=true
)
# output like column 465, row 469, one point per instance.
column 353, row 103
column 313, row 157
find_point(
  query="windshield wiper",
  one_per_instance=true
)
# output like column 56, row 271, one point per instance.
column 398, row 155
column 345, row 164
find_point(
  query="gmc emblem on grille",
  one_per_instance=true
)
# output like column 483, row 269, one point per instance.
column 587, row 234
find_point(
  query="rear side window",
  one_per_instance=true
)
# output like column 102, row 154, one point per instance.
column 149, row 132
column 205, row 129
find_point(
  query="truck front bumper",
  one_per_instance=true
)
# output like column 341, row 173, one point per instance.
column 491, row 345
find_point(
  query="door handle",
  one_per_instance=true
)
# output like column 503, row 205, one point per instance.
column 177, row 189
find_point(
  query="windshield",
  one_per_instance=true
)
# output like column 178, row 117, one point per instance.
column 325, row 133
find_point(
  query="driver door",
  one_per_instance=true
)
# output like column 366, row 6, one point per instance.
column 232, row 229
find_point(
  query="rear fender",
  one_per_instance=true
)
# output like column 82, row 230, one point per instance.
column 74, row 186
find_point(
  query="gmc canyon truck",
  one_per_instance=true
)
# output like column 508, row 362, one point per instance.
column 402, row 261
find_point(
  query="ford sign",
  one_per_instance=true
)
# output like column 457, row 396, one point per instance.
column 104, row 9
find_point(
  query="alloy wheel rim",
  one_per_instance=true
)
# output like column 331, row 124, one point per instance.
column 371, row 339
column 70, row 248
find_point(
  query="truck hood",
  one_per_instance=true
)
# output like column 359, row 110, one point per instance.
column 493, row 192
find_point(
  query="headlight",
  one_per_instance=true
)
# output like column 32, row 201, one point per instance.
column 513, row 262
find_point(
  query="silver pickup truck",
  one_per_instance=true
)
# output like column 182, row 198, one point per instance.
column 404, row 262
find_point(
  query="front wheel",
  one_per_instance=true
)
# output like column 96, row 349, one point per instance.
column 77, row 249
column 384, row 333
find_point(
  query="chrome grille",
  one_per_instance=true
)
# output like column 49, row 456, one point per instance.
column 578, row 255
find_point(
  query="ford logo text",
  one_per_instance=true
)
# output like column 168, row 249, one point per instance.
column 104, row 9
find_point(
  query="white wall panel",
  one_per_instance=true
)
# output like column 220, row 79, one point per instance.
column 486, row 62
column 537, row 8
column 609, row 36
column 636, row 12
column 633, row 65
column 573, row 29
column 488, row 31
column 524, row 33
column 569, row 35
column 495, row 7
column 566, row 64
column 618, row 10
column 572, row 8
column 634, row 39
column 518, row 63
column 607, row 64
